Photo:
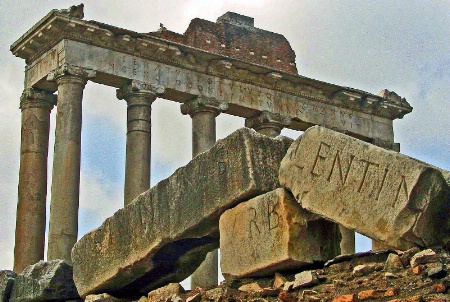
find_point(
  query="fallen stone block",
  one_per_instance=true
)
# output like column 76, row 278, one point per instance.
column 382, row 194
column 6, row 283
column 165, row 233
column 45, row 281
column 272, row 233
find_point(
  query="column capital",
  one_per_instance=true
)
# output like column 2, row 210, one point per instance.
column 138, row 88
column 36, row 98
column 73, row 71
column 203, row 104
column 267, row 119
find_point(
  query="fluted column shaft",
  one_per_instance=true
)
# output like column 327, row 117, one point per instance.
column 203, row 113
column 139, row 97
column 267, row 123
column 31, row 205
column 63, row 229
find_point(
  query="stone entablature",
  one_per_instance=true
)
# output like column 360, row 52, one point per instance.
column 43, row 50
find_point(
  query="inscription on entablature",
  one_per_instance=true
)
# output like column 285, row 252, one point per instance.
column 304, row 103
column 41, row 67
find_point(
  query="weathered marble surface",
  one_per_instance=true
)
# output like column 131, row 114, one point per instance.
column 31, row 202
column 164, row 234
column 272, row 233
column 382, row 194
column 7, row 279
column 45, row 281
column 247, row 93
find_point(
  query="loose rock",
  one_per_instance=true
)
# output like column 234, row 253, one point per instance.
column 363, row 269
column 214, row 294
column 391, row 275
column 436, row 270
column 251, row 287
column 279, row 280
column 166, row 292
column 288, row 286
column 417, row 270
column 393, row 264
column 345, row 298
column 405, row 256
column 103, row 298
column 371, row 294
column 426, row 256
column 194, row 298
column 305, row 279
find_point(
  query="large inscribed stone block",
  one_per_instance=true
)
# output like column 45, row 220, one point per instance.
column 165, row 233
column 272, row 233
column 382, row 194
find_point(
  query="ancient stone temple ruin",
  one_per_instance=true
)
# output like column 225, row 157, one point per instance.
column 302, row 199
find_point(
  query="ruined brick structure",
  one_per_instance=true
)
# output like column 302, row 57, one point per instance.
column 235, row 36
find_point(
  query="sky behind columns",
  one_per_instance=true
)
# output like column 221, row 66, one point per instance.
column 369, row 45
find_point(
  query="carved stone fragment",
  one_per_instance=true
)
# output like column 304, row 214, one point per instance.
column 165, row 233
column 382, row 194
column 271, row 233
column 6, row 283
column 45, row 281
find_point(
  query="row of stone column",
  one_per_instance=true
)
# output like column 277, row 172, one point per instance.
column 31, row 209
column 36, row 106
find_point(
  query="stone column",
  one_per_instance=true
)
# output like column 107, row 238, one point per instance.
column 30, row 223
column 268, row 123
column 139, row 97
column 203, row 112
column 347, row 240
column 63, row 229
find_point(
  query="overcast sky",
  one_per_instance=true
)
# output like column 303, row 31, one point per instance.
column 370, row 45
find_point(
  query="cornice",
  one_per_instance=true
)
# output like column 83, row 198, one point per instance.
column 59, row 25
